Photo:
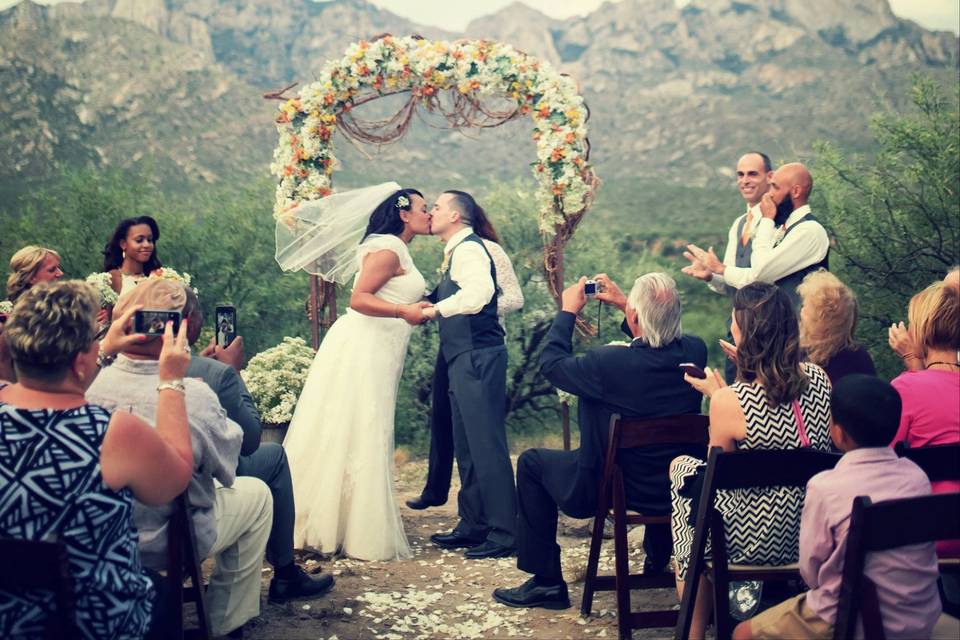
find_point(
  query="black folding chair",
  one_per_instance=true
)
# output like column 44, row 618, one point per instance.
column 740, row 470
column 29, row 564
column 879, row 527
column 630, row 434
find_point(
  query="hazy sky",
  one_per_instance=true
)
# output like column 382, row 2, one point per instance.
column 455, row 14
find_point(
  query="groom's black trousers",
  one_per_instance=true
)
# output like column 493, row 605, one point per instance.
column 487, row 502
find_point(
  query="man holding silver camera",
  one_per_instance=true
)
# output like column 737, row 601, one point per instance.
column 639, row 380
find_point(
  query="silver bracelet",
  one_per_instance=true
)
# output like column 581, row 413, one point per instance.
column 175, row 385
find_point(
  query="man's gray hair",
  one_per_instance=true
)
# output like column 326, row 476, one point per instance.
column 657, row 302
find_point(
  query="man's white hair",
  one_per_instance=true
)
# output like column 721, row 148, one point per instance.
column 655, row 298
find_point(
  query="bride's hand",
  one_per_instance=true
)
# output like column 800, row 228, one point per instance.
column 414, row 313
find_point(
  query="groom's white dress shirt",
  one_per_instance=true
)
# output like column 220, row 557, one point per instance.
column 770, row 261
column 471, row 272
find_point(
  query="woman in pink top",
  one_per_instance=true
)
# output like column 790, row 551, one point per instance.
column 931, row 395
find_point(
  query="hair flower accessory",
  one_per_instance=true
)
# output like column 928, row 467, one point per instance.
column 403, row 202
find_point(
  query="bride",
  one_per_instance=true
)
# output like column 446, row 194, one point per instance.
column 340, row 441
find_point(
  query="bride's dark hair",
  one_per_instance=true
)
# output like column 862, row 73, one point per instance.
column 386, row 217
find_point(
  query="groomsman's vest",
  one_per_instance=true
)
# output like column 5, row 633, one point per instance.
column 467, row 332
column 789, row 283
column 744, row 251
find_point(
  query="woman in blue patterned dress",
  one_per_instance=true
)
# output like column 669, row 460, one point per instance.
column 777, row 402
column 69, row 470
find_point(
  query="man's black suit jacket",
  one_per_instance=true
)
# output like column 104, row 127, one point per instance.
column 635, row 381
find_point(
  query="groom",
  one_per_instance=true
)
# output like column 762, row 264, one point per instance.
column 471, row 342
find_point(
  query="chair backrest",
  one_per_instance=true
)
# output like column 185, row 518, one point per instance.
column 768, row 467
column 631, row 433
column 939, row 462
column 31, row 564
column 879, row 527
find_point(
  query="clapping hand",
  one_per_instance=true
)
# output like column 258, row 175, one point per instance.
column 900, row 340
column 709, row 385
column 707, row 259
column 729, row 349
column 609, row 292
column 696, row 268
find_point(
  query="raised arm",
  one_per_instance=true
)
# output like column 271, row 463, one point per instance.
column 156, row 464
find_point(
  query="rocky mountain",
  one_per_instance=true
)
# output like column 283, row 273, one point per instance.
column 175, row 85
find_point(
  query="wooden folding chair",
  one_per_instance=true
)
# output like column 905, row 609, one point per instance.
column 740, row 470
column 939, row 462
column 879, row 527
column 630, row 434
column 30, row 564
column 183, row 562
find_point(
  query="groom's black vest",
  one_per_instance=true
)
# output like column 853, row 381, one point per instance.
column 467, row 332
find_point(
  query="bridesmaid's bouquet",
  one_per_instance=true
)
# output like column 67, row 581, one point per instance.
column 275, row 378
column 6, row 307
column 103, row 284
column 167, row 273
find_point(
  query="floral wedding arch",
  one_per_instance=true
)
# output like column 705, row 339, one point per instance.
column 451, row 79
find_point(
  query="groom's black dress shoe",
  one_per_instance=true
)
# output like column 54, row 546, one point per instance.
column 453, row 540
column 300, row 586
column 531, row 594
column 424, row 503
column 489, row 550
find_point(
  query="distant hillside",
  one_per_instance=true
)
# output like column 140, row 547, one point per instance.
column 173, row 87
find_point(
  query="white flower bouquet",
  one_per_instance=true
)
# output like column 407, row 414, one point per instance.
column 6, row 306
column 172, row 274
column 103, row 284
column 275, row 378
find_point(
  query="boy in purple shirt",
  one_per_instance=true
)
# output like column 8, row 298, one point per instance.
column 865, row 416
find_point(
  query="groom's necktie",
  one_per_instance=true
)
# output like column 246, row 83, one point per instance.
column 446, row 262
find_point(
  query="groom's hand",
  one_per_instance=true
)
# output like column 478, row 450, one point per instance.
column 429, row 311
column 573, row 298
column 414, row 313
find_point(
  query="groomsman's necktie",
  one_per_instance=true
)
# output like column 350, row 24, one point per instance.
column 747, row 227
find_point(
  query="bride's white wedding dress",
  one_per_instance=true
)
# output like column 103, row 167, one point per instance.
column 340, row 441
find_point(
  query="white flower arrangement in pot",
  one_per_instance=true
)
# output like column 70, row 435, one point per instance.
column 275, row 379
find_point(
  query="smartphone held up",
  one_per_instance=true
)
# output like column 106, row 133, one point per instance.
column 693, row 370
column 152, row 322
column 226, row 326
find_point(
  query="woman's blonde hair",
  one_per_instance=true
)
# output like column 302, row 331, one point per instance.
column 832, row 316
column 24, row 265
column 50, row 324
column 934, row 317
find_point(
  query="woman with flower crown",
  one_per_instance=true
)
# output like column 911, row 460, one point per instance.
column 340, row 440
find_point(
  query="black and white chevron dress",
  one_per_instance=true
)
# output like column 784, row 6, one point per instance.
column 51, row 488
column 762, row 526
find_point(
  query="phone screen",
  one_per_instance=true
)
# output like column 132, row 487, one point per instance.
column 152, row 322
column 226, row 326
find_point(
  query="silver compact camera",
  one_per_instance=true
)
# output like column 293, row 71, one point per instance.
column 591, row 288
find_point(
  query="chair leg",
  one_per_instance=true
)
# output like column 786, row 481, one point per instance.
column 720, row 579
column 593, row 560
column 620, row 555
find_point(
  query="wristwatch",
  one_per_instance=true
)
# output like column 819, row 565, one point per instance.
column 176, row 385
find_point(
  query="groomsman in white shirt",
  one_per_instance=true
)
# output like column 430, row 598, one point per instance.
column 788, row 244
column 754, row 171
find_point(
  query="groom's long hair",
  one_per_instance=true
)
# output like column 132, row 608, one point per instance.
column 385, row 219
column 474, row 215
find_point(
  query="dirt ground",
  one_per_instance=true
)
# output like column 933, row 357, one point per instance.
column 439, row 594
